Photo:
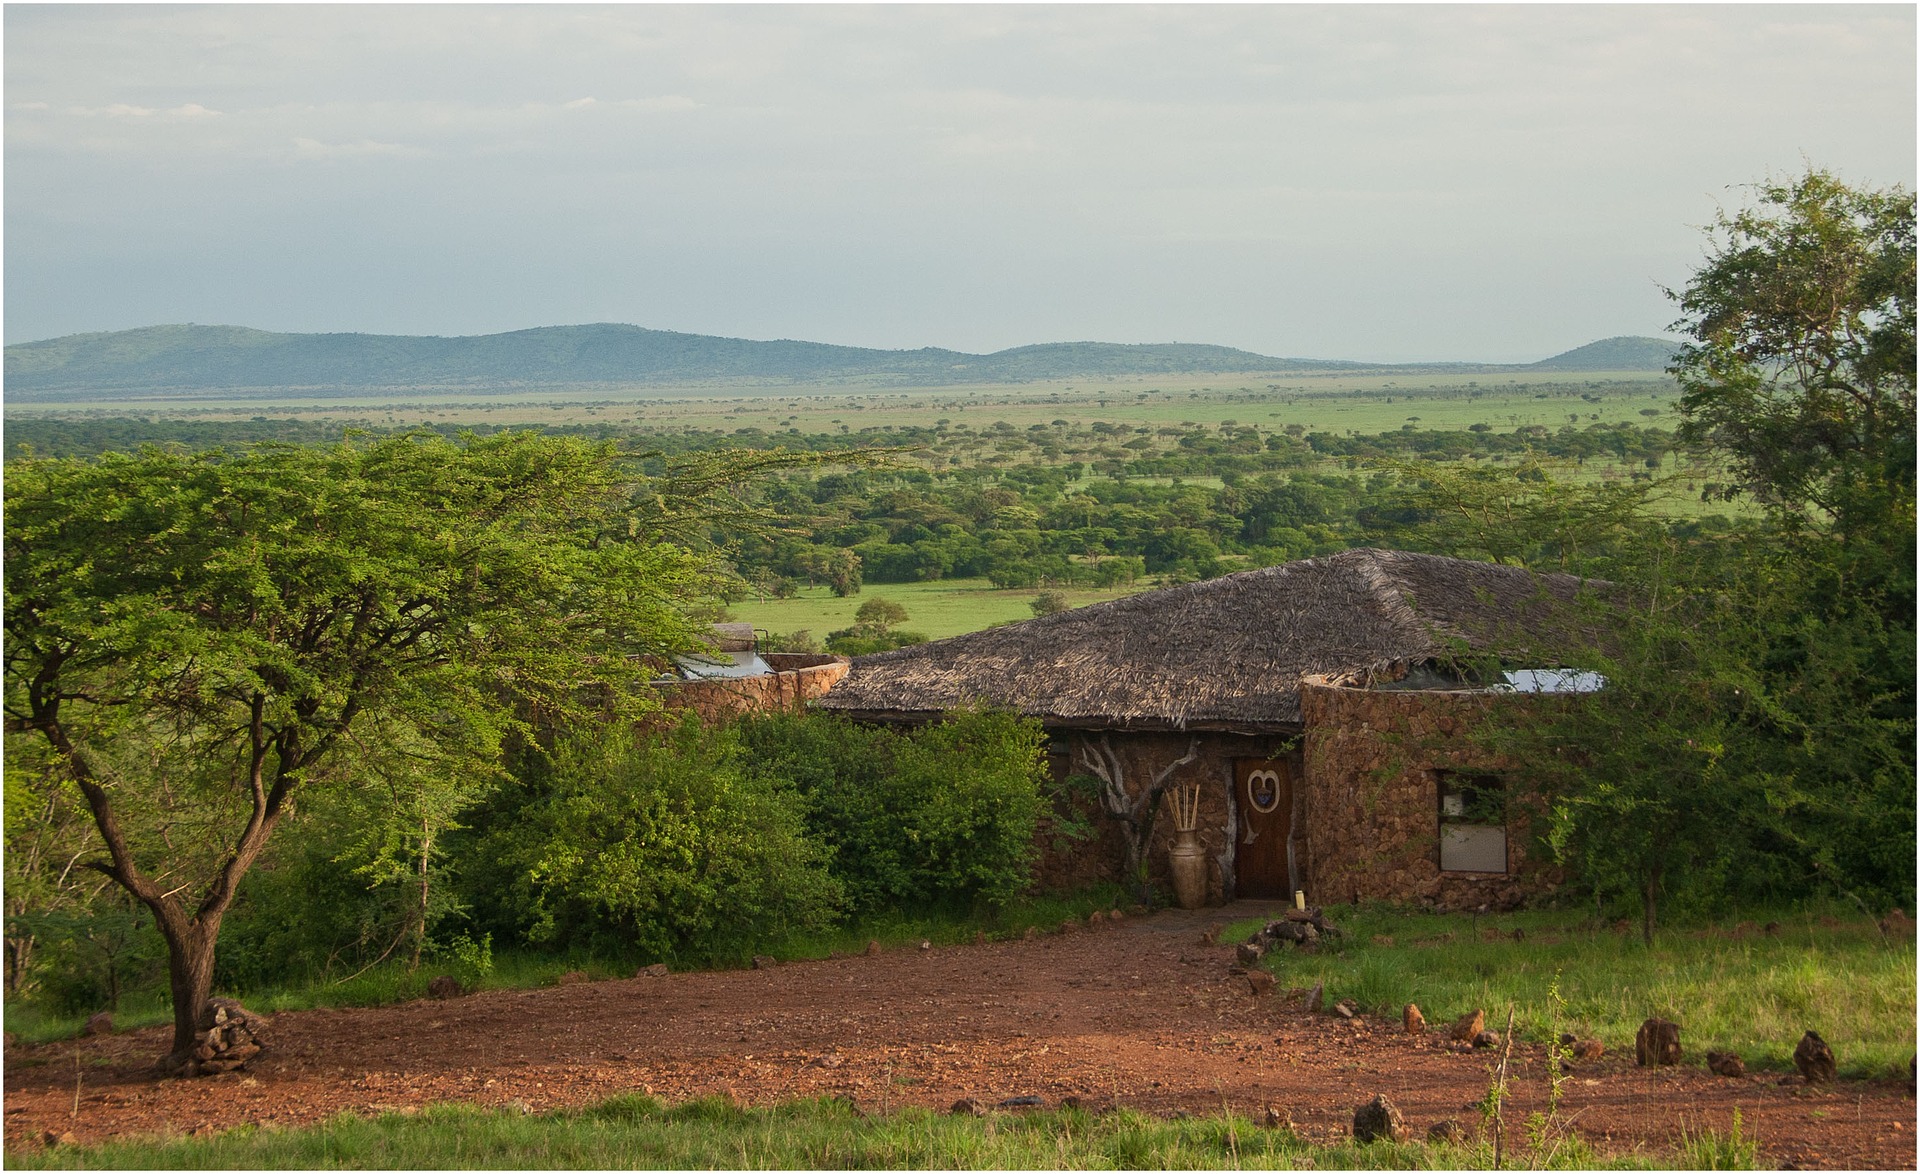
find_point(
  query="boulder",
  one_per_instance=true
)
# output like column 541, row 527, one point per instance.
column 1248, row 953
column 1814, row 1059
column 1115, row 915
column 1446, row 1132
column 968, row 1107
column 762, row 962
column 1470, row 1025
column 445, row 986
column 1378, row 1120
column 1260, row 981
column 657, row 970
column 1069, row 925
column 1657, row 1044
column 1317, row 997
column 1487, row 1039
column 873, row 947
column 100, row 1024
column 1346, row 1008
column 1033, row 931
column 1412, row 1020
column 1725, row 1064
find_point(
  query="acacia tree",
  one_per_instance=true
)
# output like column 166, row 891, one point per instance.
column 197, row 637
column 1800, row 360
column 1756, row 734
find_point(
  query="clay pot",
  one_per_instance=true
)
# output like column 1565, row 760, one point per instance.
column 1187, row 861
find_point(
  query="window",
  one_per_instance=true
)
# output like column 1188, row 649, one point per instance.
column 1473, row 822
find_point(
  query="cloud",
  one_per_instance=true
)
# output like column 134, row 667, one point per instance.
column 305, row 148
column 123, row 110
column 663, row 102
column 578, row 104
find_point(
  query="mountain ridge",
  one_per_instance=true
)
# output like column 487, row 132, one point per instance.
column 179, row 358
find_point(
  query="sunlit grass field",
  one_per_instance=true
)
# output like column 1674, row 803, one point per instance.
column 1731, row 986
column 639, row 1133
column 944, row 607
column 1364, row 403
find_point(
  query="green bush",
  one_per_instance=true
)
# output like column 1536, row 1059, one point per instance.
column 945, row 814
column 667, row 844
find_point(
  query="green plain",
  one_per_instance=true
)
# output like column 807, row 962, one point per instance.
column 936, row 609
column 639, row 1133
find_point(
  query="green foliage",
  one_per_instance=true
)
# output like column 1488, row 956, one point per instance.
column 1047, row 603
column 669, row 843
column 195, row 639
column 1801, row 360
column 873, row 630
column 944, row 814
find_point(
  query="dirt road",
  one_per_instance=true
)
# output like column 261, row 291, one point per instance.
column 1143, row 1013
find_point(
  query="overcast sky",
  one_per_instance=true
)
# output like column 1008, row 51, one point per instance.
column 1391, row 183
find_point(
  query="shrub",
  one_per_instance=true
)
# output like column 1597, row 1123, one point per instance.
column 665, row 840
column 944, row 814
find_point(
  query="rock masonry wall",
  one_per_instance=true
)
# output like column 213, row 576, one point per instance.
column 797, row 679
column 1373, row 804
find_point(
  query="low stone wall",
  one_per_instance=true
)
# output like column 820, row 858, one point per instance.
column 1373, row 804
column 797, row 679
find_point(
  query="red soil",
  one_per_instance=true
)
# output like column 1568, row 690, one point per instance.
column 1143, row 1013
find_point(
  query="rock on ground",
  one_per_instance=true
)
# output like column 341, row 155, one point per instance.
column 1378, row 1120
column 1657, row 1044
column 1814, row 1059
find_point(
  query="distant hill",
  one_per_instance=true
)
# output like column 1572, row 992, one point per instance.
column 1626, row 352
column 160, row 360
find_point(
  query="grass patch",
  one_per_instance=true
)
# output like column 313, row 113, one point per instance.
column 638, row 1132
column 940, row 608
column 1729, row 985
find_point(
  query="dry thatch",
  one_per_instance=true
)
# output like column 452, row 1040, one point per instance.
column 1226, row 654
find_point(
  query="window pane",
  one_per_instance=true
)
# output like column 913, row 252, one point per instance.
column 1470, row 848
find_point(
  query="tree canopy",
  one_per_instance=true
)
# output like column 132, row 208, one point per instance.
column 197, row 637
column 1801, row 360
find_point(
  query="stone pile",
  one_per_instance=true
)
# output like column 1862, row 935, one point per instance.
column 229, row 1037
column 1300, row 927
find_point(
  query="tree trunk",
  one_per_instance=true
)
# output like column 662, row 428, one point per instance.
column 190, row 977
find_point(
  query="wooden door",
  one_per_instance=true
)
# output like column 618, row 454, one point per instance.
column 1264, row 863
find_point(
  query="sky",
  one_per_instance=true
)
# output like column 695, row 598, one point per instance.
column 1387, row 183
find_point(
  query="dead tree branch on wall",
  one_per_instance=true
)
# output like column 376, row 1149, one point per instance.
column 1136, row 811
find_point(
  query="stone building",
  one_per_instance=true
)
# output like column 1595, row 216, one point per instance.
column 736, row 678
column 1319, row 710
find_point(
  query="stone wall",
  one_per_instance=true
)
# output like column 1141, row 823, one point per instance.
column 797, row 679
column 1373, row 804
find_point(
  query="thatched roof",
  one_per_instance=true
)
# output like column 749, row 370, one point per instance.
column 1226, row 654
